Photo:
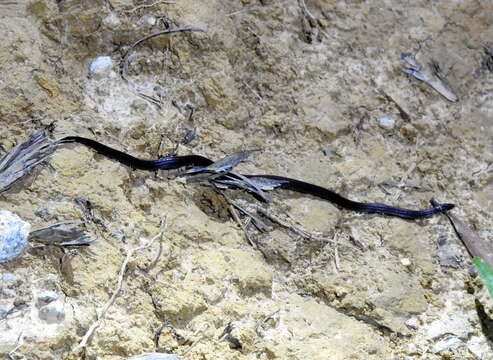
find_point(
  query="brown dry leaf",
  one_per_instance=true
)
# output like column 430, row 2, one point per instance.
column 475, row 245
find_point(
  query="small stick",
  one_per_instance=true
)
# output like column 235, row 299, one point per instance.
column 113, row 297
column 264, row 320
column 305, row 9
column 298, row 231
column 158, row 332
column 160, row 250
column 253, row 91
column 241, row 10
column 256, row 221
column 311, row 16
column 152, row 100
column 236, row 216
column 336, row 252
column 201, row 328
column 19, row 342
column 148, row 6
column 162, row 32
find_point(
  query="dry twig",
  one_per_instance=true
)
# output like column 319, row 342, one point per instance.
column 243, row 226
column 113, row 297
column 264, row 320
column 295, row 229
column 164, row 223
column 200, row 330
column 159, row 33
column 311, row 17
column 143, row 6
column 13, row 353
column 336, row 252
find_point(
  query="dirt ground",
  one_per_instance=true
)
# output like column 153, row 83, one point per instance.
column 318, row 86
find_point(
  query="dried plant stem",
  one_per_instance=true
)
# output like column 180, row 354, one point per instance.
column 200, row 330
column 143, row 6
column 169, row 31
column 111, row 301
column 236, row 216
column 295, row 229
column 259, row 325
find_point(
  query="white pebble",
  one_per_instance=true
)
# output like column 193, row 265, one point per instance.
column 405, row 262
column 52, row 313
column 412, row 323
column 386, row 123
column 47, row 297
column 111, row 21
column 13, row 235
column 451, row 342
column 150, row 20
column 7, row 278
column 101, row 67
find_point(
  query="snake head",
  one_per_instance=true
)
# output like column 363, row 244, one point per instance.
column 441, row 207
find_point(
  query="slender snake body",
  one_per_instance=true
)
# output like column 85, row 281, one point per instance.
column 175, row 162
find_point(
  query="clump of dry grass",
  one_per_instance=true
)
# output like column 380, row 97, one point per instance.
column 22, row 158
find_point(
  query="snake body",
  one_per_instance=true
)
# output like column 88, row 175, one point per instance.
column 176, row 162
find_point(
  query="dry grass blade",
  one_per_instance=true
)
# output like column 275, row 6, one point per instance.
column 230, row 161
column 223, row 176
column 64, row 233
column 159, row 33
column 21, row 159
column 265, row 183
column 259, row 224
column 431, row 75
column 225, row 164
column 250, row 186
column 475, row 245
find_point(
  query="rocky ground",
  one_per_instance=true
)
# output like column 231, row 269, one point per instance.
column 316, row 85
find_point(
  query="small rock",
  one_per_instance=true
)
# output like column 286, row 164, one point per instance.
column 386, row 123
column 7, row 278
column 13, row 235
column 458, row 326
column 47, row 297
column 52, row 313
column 150, row 20
column 486, row 234
column 412, row 323
column 101, row 67
column 8, row 282
column 446, row 344
column 111, row 21
column 3, row 311
column 406, row 262
column 478, row 347
column 8, row 292
column 447, row 252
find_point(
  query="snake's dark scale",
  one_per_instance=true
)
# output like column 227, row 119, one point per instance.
column 175, row 162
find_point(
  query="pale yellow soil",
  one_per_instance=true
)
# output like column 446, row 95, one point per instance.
column 308, row 87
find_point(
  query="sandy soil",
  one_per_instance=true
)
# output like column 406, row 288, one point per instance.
column 316, row 85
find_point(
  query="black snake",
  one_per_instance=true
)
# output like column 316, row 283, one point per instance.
column 268, row 181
